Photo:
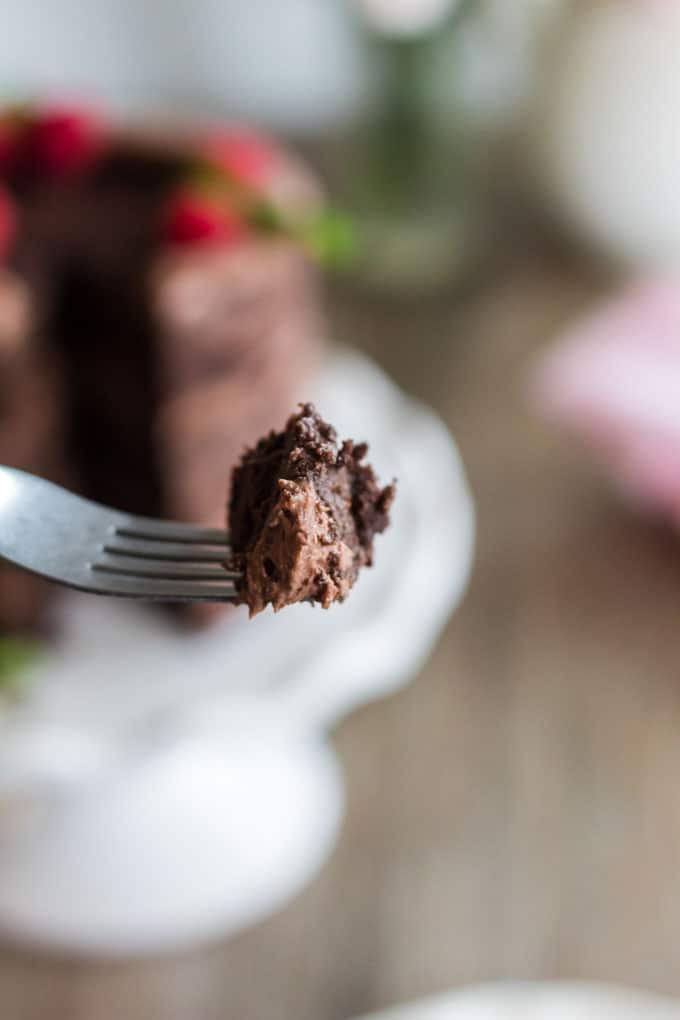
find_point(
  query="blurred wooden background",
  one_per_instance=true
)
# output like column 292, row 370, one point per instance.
column 515, row 813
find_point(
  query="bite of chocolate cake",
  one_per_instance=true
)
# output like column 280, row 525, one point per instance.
column 303, row 513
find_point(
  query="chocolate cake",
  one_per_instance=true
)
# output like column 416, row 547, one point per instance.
column 303, row 514
column 28, row 381
column 158, row 310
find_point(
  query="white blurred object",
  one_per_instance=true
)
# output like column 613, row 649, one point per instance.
column 295, row 64
column 525, row 1001
column 609, row 133
column 291, row 63
column 157, row 788
column 405, row 17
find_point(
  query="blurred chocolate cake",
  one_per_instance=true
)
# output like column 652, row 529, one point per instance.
column 158, row 310
column 30, row 432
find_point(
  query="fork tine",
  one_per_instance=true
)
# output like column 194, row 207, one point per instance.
column 170, row 531
column 162, row 549
column 161, row 589
column 137, row 566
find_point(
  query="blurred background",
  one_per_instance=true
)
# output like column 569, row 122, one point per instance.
column 511, row 169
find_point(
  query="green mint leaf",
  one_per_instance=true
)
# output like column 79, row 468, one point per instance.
column 266, row 218
column 330, row 238
column 16, row 655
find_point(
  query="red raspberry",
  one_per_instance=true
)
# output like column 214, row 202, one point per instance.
column 248, row 158
column 7, row 222
column 61, row 141
column 190, row 218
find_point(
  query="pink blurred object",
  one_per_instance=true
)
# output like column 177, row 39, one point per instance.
column 613, row 381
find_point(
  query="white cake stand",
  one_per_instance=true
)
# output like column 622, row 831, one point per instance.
column 158, row 788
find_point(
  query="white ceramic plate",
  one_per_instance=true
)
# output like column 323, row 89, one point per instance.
column 525, row 1001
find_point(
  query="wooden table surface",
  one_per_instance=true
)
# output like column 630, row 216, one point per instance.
column 516, row 811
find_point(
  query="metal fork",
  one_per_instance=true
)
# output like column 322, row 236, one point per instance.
column 70, row 540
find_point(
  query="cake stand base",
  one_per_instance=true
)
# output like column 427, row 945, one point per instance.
column 201, row 840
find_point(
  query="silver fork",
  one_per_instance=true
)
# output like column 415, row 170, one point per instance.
column 70, row 540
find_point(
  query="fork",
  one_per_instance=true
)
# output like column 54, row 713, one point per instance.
column 80, row 544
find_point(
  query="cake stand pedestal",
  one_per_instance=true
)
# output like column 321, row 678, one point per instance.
column 197, row 839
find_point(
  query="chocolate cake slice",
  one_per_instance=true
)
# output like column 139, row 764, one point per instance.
column 303, row 513
column 159, row 310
